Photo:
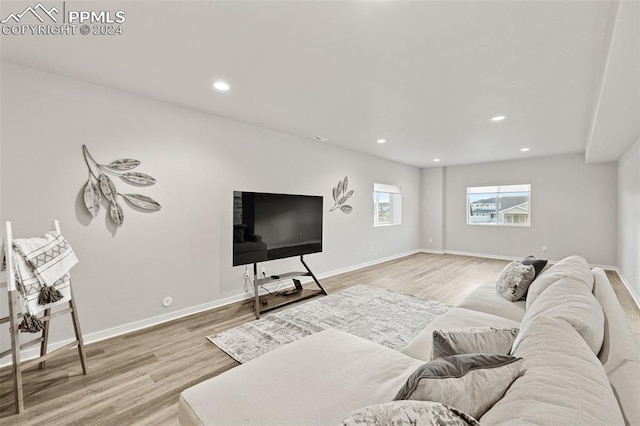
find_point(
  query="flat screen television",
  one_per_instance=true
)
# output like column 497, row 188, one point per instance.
column 275, row 226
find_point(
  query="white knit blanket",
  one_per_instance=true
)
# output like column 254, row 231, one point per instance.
column 43, row 261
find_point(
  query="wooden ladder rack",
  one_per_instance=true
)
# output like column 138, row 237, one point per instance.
column 15, row 315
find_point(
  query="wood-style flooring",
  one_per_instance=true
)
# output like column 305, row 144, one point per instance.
column 137, row 378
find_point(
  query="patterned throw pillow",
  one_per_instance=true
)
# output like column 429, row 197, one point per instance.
column 514, row 280
column 473, row 340
column 472, row 383
column 409, row 413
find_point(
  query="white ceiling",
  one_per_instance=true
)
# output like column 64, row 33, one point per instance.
column 426, row 76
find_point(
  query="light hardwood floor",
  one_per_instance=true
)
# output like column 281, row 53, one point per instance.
column 137, row 378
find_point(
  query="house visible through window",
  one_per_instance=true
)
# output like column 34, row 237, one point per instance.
column 499, row 205
column 387, row 205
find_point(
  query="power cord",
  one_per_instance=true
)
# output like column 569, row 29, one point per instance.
column 248, row 285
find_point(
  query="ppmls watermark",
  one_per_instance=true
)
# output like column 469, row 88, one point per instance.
column 57, row 19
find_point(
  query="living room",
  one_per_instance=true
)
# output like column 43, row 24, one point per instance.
column 425, row 77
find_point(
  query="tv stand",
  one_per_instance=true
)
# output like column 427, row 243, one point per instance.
column 274, row 301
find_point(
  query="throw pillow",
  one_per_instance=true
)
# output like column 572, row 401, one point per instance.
column 473, row 340
column 515, row 280
column 471, row 383
column 538, row 264
column 409, row 413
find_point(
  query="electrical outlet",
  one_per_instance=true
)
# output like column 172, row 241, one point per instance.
column 246, row 273
column 430, row 240
column 544, row 249
column 371, row 249
column 263, row 271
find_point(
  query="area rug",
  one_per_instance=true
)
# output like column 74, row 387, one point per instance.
column 386, row 317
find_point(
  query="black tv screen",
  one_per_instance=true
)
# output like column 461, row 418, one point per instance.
column 275, row 226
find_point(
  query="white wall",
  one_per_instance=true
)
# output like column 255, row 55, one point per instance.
column 573, row 209
column 629, row 218
column 432, row 208
column 183, row 251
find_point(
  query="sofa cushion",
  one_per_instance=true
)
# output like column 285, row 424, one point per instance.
column 625, row 381
column 421, row 346
column 572, row 302
column 538, row 264
column 515, row 280
column 619, row 341
column 409, row 413
column 563, row 381
column 574, row 267
column 471, row 383
column 486, row 299
column 620, row 353
column 318, row 379
column 473, row 340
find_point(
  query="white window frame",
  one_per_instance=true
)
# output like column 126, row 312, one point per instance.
column 499, row 189
column 395, row 201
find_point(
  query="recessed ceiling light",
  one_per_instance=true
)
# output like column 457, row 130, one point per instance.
column 223, row 86
column 436, row 160
column 321, row 139
column 498, row 118
column 381, row 140
column 525, row 149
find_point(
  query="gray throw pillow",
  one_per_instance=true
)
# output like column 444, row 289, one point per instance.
column 514, row 280
column 473, row 340
column 409, row 413
column 472, row 383
column 538, row 264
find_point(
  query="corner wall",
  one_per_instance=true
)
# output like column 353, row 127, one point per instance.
column 629, row 218
column 432, row 208
column 183, row 251
column 573, row 207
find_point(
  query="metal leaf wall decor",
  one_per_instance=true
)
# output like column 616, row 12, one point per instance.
column 341, row 194
column 101, row 185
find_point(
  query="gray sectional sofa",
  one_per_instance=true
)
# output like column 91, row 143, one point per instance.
column 581, row 363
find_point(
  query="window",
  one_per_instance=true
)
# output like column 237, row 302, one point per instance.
column 499, row 205
column 387, row 205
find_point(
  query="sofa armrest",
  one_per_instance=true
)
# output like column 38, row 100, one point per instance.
column 619, row 341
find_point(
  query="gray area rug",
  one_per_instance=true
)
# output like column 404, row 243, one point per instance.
column 382, row 316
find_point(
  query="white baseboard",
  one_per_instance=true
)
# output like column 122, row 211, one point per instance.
column 501, row 257
column 149, row 322
column 432, row 251
column 129, row 328
column 488, row 256
column 366, row 264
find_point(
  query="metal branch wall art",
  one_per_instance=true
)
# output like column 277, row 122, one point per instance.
column 100, row 183
column 340, row 196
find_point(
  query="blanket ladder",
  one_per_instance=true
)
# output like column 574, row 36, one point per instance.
column 15, row 315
